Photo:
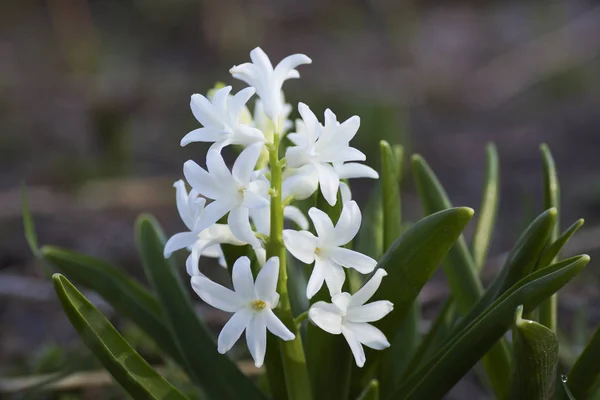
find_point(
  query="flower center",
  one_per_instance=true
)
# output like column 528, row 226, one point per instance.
column 318, row 251
column 258, row 305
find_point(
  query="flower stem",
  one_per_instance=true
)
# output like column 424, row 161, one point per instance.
column 292, row 352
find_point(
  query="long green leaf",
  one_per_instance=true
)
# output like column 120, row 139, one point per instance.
column 458, row 356
column 462, row 274
column 410, row 263
column 547, row 310
column 215, row 373
column 488, row 209
column 584, row 377
column 125, row 295
column 28, row 224
column 552, row 251
column 132, row 372
column 536, row 359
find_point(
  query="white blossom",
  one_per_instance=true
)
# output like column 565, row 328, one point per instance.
column 252, row 304
column 350, row 316
column 317, row 146
column 233, row 192
column 326, row 250
column 267, row 80
column 220, row 119
column 200, row 242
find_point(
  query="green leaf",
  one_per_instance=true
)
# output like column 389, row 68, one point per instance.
column 585, row 374
column 132, row 372
column 410, row 263
column 28, row 224
column 536, row 359
column 392, row 216
column 462, row 274
column 552, row 251
column 215, row 373
column 488, row 209
column 459, row 355
column 371, row 392
column 547, row 310
column 125, row 295
column 370, row 236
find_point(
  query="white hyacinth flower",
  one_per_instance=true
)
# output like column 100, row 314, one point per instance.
column 326, row 250
column 221, row 119
column 264, row 123
column 350, row 316
column 200, row 242
column 267, row 80
column 252, row 304
column 233, row 192
column 317, row 146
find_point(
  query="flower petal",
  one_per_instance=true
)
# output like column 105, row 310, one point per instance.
column 341, row 301
column 256, row 338
column 323, row 225
column 329, row 182
column 239, row 100
column 368, row 289
column 295, row 215
column 357, row 350
column 233, row 329
column 261, row 60
column 355, row 170
column 334, row 276
column 266, row 280
column 277, row 327
column 368, row 335
column 302, row 184
column 201, row 181
column 302, row 244
column 218, row 169
column 239, row 223
column 179, row 241
column 348, row 224
column 245, row 163
column 204, row 111
column 243, row 281
column 191, row 262
column 317, row 277
column 334, row 153
column 287, row 65
column 352, row 259
column 220, row 97
column 216, row 295
column 212, row 213
column 370, row 312
column 203, row 135
column 345, row 192
column 326, row 316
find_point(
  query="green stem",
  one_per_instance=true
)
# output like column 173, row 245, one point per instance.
column 292, row 352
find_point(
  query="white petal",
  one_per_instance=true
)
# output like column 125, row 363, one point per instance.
column 212, row 213
column 201, row 180
column 350, row 127
column 303, row 184
column 352, row 259
column 277, row 327
column 370, row 312
column 216, row 295
column 368, row 289
column 261, row 217
column 341, row 301
column 261, row 60
column 297, row 156
column 329, row 182
column 242, row 279
column 288, row 64
column 181, row 196
column 326, row 316
column 245, row 163
column 191, row 263
column 334, row 276
column 316, row 279
column 348, row 224
column 204, row 111
column 330, row 118
column 301, row 244
column 254, row 199
column 237, row 102
column 357, row 350
column 179, row 241
column 203, row 135
column 239, row 223
column 322, row 224
column 345, row 192
column 266, row 280
column 355, row 170
column 368, row 335
column 218, row 169
column 233, row 329
column 295, row 215
column 256, row 337
column 311, row 123
column 335, row 154
column 213, row 251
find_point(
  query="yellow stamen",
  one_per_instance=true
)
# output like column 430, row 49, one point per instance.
column 258, row 305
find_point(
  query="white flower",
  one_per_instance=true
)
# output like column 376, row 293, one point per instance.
column 325, row 249
column 349, row 315
column 233, row 192
column 316, row 146
column 252, row 304
column 221, row 119
column 268, row 81
column 266, row 125
column 354, row 170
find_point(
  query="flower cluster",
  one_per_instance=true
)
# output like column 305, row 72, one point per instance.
column 238, row 207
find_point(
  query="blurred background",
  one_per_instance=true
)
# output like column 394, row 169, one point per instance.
column 94, row 99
